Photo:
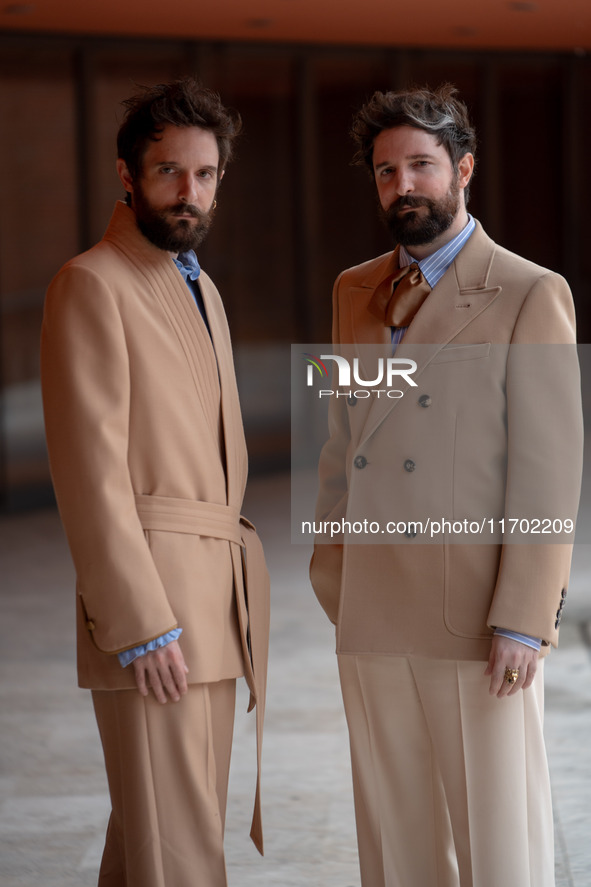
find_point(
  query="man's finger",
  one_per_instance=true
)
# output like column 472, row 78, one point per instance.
column 156, row 683
column 498, row 682
column 179, row 676
column 531, row 673
column 527, row 671
column 140, row 676
column 168, row 682
column 173, row 671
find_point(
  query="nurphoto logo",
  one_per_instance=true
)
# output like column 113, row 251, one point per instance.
column 387, row 371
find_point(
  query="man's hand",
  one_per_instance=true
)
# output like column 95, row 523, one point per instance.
column 507, row 653
column 163, row 670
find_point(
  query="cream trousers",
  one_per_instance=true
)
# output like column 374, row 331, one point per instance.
column 451, row 785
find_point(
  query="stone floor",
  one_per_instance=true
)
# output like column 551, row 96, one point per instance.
column 53, row 800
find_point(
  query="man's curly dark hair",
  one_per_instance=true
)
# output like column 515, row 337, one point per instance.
column 438, row 112
column 181, row 103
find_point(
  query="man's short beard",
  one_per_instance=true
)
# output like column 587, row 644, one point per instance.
column 166, row 232
column 412, row 229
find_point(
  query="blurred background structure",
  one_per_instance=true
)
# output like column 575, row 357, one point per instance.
column 292, row 212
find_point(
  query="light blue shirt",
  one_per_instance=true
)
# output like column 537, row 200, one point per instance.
column 128, row 656
column 433, row 268
column 188, row 265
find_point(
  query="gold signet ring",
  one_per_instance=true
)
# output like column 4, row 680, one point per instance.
column 511, row 675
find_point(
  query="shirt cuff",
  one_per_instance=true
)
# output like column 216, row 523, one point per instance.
column 128, row 656
column 534, row 643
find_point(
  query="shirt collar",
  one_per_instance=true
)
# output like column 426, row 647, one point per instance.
column 188, row 265
column 435, row 265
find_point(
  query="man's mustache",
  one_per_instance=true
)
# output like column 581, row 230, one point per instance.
column 406, row 202
column 188, row 209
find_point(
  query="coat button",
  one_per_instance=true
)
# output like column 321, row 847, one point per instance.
column 410, row 534
column 425, row 400
column 90, row 625
column 359, row 461
column 409, row 465
column 352, row 401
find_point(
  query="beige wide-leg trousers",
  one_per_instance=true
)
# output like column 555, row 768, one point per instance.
column 167, row 767
column 451, row 785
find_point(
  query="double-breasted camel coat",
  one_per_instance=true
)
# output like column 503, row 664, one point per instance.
column 492, row 430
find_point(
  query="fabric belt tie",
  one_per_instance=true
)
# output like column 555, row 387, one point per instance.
column 190, row 516
column 399, row 296
column 168, row 514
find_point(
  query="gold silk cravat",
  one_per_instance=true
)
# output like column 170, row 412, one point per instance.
column 397, row 299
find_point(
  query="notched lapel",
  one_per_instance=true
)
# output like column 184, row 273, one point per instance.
column 447, row 311
column 360, row 326
column 356, row 323
column 459, row 297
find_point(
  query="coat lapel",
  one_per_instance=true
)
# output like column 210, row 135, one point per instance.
column 357, row 325
column 459, row 297
column 161, row 276
column 232, row 428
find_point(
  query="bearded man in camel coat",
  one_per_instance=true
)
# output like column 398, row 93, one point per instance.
column 149, row 465
column 441, row 633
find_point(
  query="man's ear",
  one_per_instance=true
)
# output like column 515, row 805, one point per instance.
column 221, row 176
column 465, row 169
column 124, row 175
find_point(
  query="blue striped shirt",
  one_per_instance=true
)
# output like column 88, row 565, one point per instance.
column 433, row 267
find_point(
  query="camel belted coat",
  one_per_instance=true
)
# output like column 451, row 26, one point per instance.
column 149, row 465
